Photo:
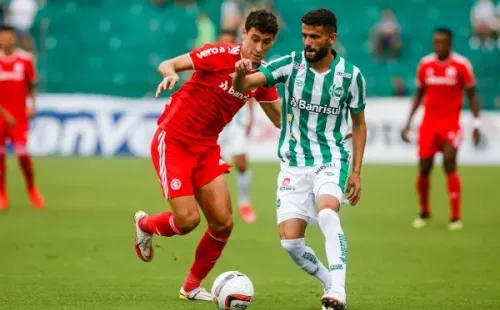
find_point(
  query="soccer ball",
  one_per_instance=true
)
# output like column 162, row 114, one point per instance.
column 232, row 290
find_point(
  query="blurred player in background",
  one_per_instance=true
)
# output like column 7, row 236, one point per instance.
column 185, row 152
column 321, row 90
column 17, row 83
column 234, row 145
column 441, row 80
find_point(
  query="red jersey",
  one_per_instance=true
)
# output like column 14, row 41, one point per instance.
column 444, row 83
column 203, row 106
column 17, row 71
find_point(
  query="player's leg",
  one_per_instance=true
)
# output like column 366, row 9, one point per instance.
column 329, row 187
column 450, row 150
column 427, row 148
column 19, row 139
column 244, row 183
column 212, row 195
column 4, row 201
column 294, row 207
column 176, row 186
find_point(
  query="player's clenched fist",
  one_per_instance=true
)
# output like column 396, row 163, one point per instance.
column 243, row 66
column 167, row 84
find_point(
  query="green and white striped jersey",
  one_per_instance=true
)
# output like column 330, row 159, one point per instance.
column 314, row 115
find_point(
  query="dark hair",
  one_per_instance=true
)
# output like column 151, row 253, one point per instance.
column 445, row 31
column 321, row 17
column 263, row 20
column 229, row 32
column 7, row 28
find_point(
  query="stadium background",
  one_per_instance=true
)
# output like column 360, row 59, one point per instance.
column 97, row 72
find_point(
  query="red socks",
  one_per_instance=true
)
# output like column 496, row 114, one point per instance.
column 3, row 173
column 27, row 169
column 454, row 194
column 423, row 187
column 208, row 252
column 162, row 224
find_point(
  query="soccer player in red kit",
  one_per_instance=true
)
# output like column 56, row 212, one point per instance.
column 17, row 82
column 185, row 152
column 441, row 80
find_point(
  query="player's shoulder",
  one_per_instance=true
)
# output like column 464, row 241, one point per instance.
column 460, row 59
column 347, row 69
column 24, row 55
column 428, row 59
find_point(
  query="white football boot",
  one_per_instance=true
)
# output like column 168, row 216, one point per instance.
column 198, row 294
column 143, row 242
column 455, row 225
column 333, row 300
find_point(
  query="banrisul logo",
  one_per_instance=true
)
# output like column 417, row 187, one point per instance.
column 304, row 105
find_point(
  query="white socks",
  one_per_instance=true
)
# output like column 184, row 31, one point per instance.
column 335, row 246
column 307, row 260
column 243, row 182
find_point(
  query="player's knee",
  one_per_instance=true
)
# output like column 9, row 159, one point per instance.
column 188, row 222
column 224, row 225
column 292, row 245
column 449, row 165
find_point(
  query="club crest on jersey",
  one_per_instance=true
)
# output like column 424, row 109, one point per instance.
column 336, row 91
column 451, row 72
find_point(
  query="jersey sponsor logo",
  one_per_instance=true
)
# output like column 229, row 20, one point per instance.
column 323, row 167
column 449, row 79
column 17, row 73
column 299, row 66
column 225, row 87
column 345, row 75
column 321, row 109
column 210, row 51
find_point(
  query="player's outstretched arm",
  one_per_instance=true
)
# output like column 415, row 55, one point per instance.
column 169, row 68
column 359, row 133
column 242, row 81
column 417, row 100
column 273, row 111
column 475, row 109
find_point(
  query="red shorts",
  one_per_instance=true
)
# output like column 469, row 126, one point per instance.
column 433, row 135
column 17, row 135
column 183, row 168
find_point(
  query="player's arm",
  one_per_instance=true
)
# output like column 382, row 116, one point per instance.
column 31, row 87
column 470, row 90
column 359, row 134
column 169, row 69
column 273, row 111
column 417, row 100
column 277, row 71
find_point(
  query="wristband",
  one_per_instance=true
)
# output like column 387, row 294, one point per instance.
column 476, row 123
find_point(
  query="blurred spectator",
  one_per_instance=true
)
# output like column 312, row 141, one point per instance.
column 3, row 8
column 231, row 14
column 227, row 36
column 206, row 30
column 159, row 3
column 21, row 15
column 386, row 35
column 484, row 23
column 399, row 86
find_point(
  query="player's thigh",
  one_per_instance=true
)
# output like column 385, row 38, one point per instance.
column 329, row 184
column 292, row 228
column 428, row 144
column 215, row 202
column 18, row 136
column 294, row 195
column 450, row 140
column 174, row 165
column 4, row 133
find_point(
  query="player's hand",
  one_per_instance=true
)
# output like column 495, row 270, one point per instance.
column 168, row 83
column 476, row 136
column 353, row 191
column 243, row 66
column 405, row 134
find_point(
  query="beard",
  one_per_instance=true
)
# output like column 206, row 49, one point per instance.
column 319, row 54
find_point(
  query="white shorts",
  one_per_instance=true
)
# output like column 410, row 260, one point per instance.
column 233, row 140
column 298, row 188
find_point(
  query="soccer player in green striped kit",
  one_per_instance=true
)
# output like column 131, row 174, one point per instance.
column 321, row 89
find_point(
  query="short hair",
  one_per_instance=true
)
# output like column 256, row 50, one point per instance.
column 230, row 32
column 7, row 28
column 446, row 31
column 264, row 21
column 321, row 17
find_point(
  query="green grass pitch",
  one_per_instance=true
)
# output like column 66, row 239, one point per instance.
column 78, row 252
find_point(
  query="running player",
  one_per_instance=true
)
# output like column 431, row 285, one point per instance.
column 185, row 152
column 17, row 83
column 442, row 78
column 321, row 89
